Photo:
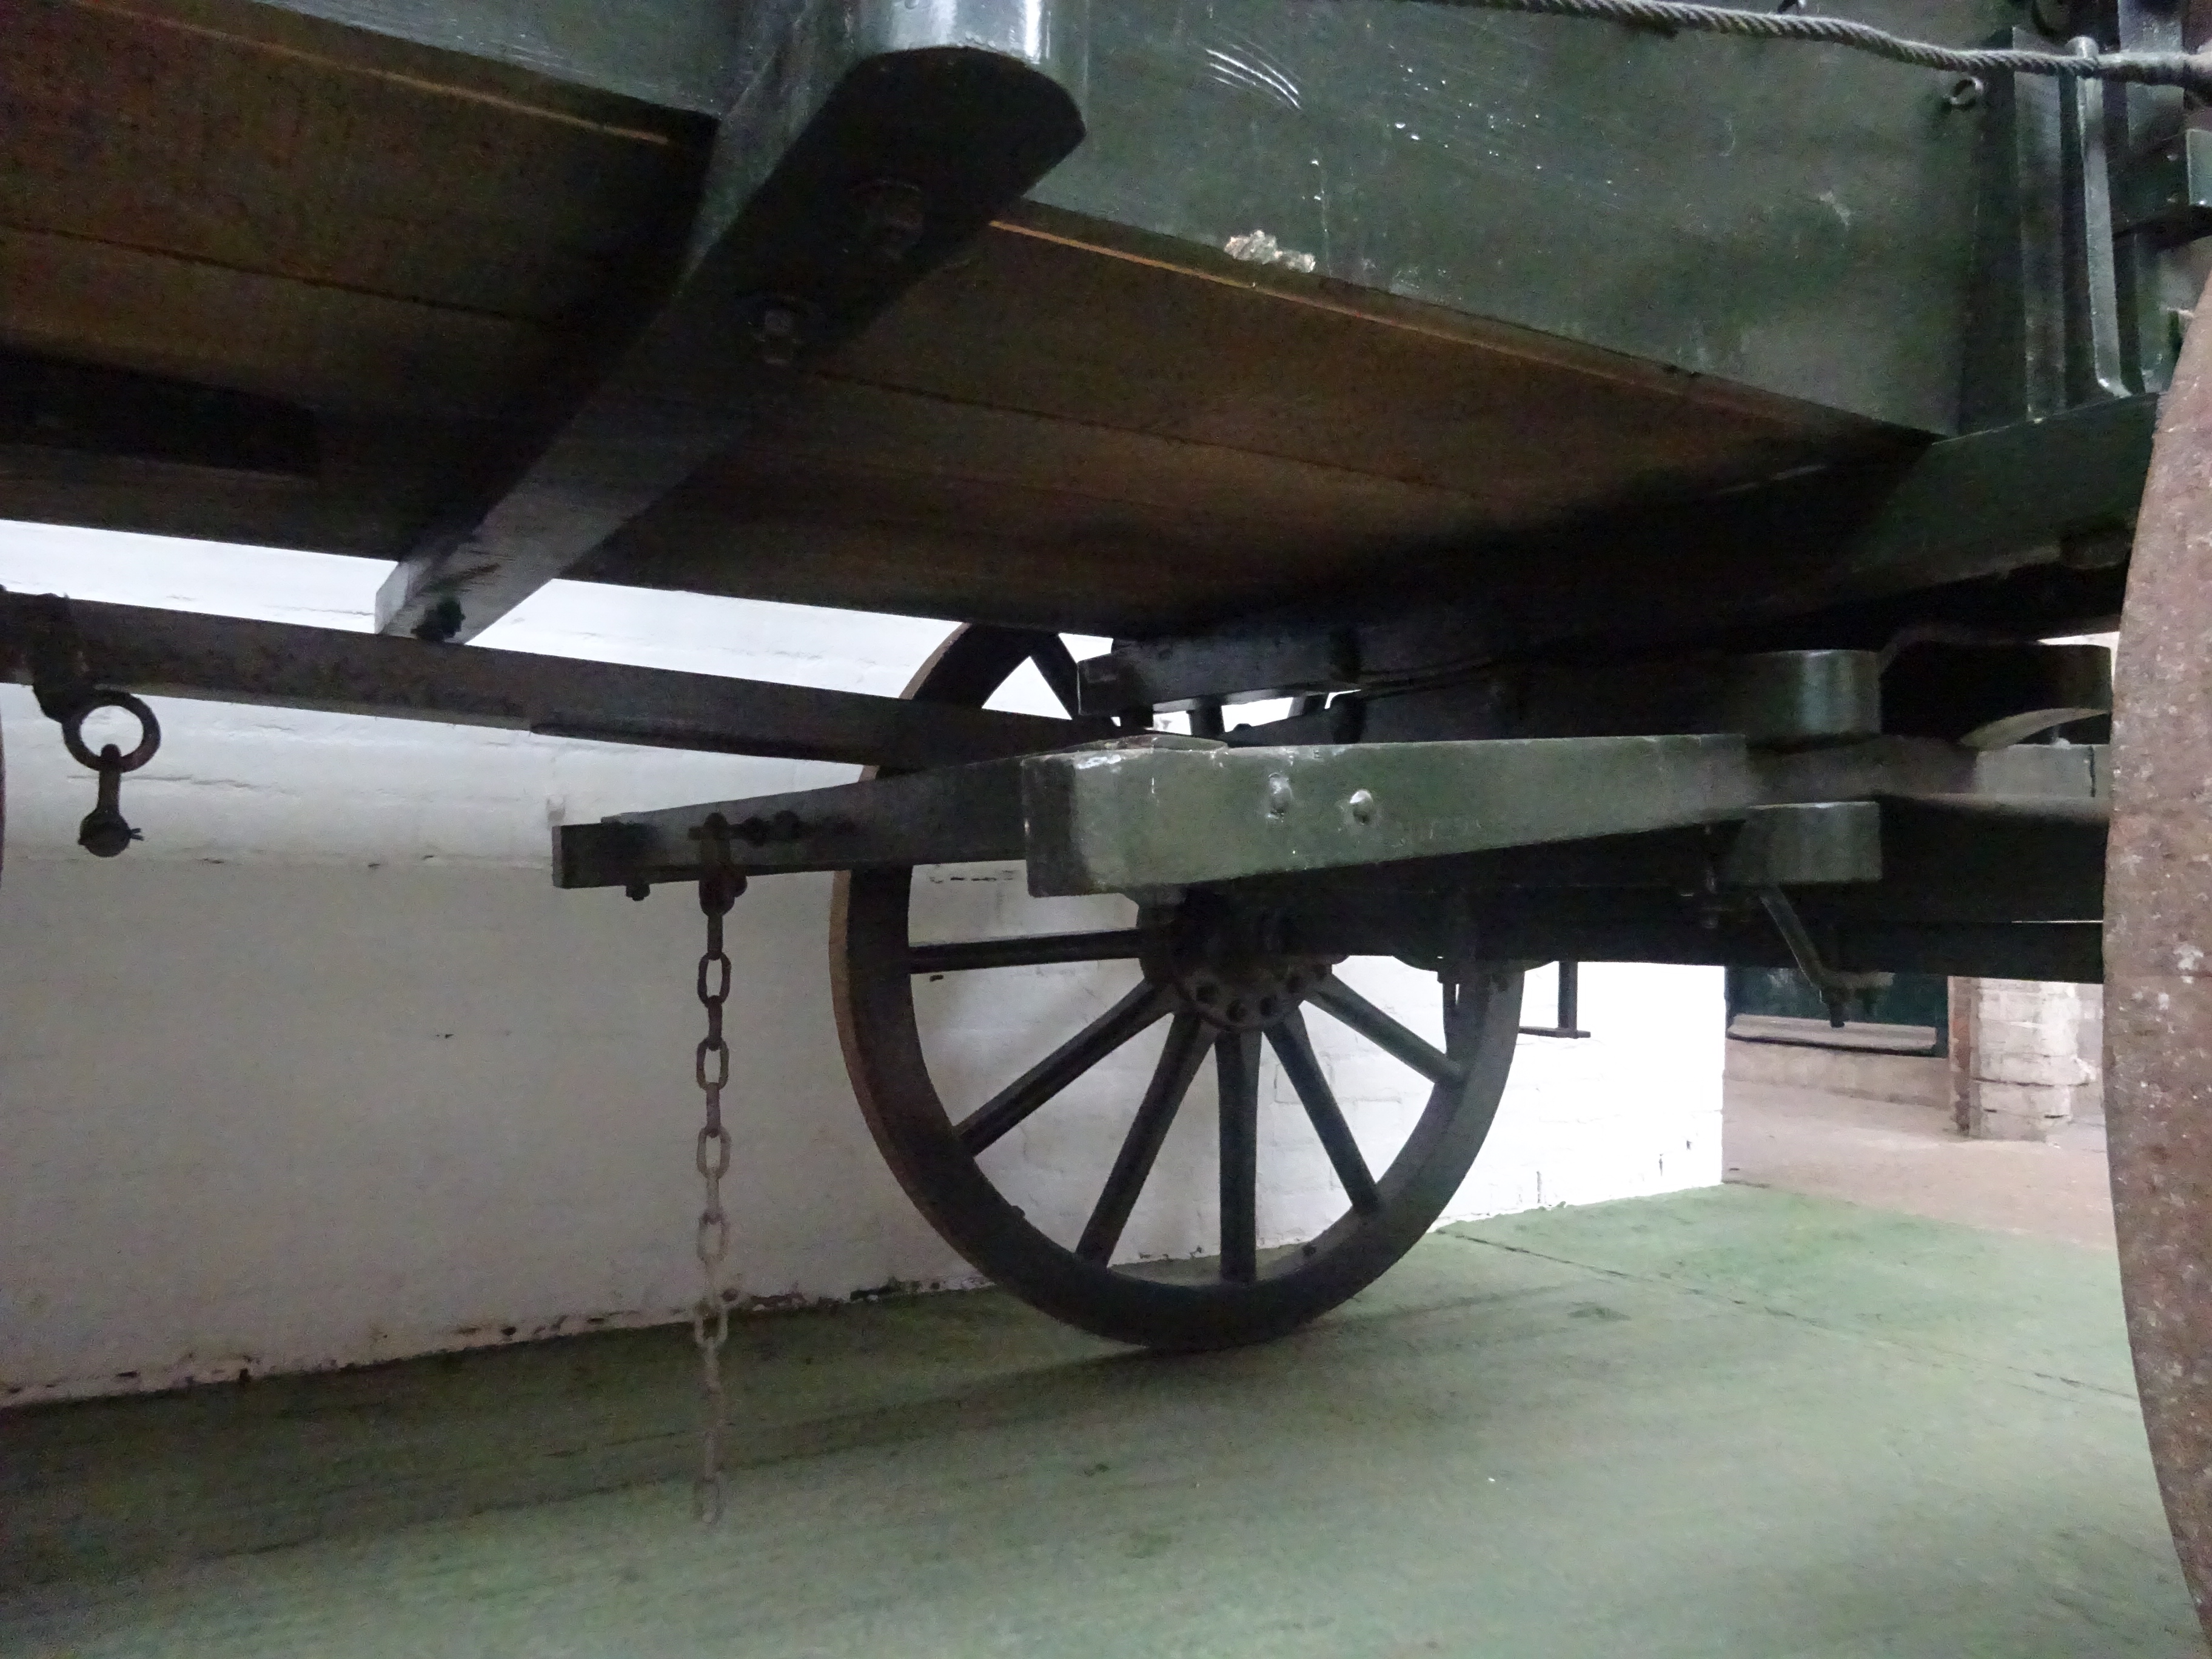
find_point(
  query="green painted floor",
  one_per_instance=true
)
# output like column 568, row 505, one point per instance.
column 1729, row 1422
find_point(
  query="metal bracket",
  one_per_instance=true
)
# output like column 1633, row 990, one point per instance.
column 2094, row 366
column 1987, row 695
column 2084, row 189
column 62, row 680
column 1804, row 844
column 2039, row 276
column 1770, row 696
column 1836, row 987
column 2168, row 192
column 53, row 655
column 1570, row 1019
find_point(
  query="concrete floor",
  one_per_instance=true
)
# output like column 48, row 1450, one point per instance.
column 1730, row 1423
column 1909, row 1157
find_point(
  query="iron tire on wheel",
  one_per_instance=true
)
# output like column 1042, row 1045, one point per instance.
column 2157, row 958
column 1244, row 1298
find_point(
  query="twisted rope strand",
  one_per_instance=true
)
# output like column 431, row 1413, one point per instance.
column 2192, row 70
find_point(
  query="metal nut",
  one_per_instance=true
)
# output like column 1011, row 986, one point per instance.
column 779, row 330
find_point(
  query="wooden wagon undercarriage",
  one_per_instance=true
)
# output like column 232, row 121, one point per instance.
column 1654, row 507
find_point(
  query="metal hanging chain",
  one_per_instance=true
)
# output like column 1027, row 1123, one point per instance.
column 2159, row 69
column 719, row 887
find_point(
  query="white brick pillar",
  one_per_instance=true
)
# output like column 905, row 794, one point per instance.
column 2025, row 1056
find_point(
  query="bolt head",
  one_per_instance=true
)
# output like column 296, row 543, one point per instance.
column 1965, row 93
column 779, row 329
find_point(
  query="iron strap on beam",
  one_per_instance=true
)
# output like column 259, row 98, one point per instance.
column 228, row 659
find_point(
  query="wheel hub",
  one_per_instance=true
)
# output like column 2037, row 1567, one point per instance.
column 1233, row 969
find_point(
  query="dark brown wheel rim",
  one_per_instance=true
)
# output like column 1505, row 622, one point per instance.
column 1245, row 1296
column 2157, row 958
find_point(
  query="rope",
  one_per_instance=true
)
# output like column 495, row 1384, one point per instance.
column 2155, row 69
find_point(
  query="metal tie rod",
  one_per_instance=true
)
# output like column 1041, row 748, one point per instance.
column 158, row 652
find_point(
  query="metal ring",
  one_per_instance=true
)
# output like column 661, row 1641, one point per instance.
column 714, row 959
column 719, row 1166
column 718, row 1050
column 712, row 1242
column 149, row 730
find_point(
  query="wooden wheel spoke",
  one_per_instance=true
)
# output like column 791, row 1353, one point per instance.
column 1237, row 1062
column 991, row 1121
column 1355, row 1010
column 1026, row 951
column 1057, row 664
column 1180, row 1059
column 1294, row 1050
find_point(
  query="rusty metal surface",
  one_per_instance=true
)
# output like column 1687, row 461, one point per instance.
column 2159, row 979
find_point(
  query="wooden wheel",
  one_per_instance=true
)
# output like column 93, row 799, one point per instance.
column 2158, row 958
column 1223, row 987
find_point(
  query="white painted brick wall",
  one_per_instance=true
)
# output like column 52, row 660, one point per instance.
column 326, row 1071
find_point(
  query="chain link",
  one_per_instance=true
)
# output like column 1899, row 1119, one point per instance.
column 719, row 887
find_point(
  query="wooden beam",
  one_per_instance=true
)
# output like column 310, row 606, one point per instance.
column 901, row 156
